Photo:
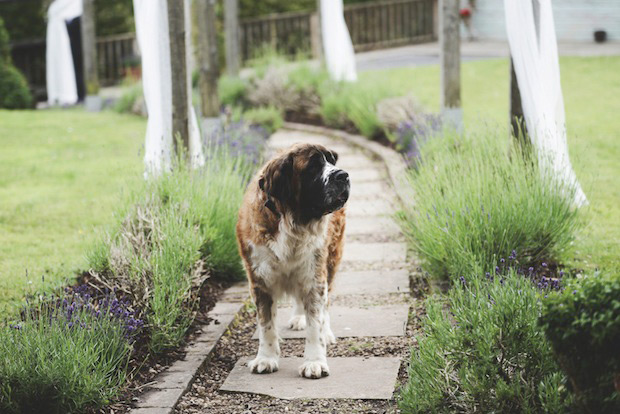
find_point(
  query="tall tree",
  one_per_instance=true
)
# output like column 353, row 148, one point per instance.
column 208, row 63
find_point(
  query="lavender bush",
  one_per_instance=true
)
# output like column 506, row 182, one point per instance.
column 484, row 351
column 412, row 134
column 66, row 354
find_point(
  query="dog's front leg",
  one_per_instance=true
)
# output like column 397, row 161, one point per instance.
column 315, row 353
column 269, row 348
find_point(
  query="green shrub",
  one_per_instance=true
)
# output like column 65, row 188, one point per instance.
column 583, row 326
column 175, row 232
column 353, row 104
column 5, row 48
column 232, row 90
column 14, row 89
column 65, row 356
column 487, row 354
column 268, row 117
column 478, row 198
column 127, row 101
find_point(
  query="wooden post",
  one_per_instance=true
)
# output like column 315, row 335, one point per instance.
column 231, row 30
column 517, row 120
column 316, row 33
column 208, row 63
column 178, row 70
column 89, row 55
column 449, row 39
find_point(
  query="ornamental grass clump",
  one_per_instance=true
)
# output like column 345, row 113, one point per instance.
column 478, row 197
column 173, row 234
column 66, row 354
column 483, row 351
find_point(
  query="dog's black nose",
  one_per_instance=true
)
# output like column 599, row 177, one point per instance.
column 341, row 175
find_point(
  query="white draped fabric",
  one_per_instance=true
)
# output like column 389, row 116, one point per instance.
column 151, row 18
column 337, row 45
column 537, row 68
column 59, row 70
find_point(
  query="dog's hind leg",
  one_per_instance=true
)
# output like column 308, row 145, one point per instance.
column 298, row 320
column 266, row 360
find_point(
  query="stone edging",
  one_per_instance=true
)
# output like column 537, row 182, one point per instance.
column 169, row 386
column 393, row 161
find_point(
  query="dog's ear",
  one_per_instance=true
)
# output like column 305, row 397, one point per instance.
column 331, row 156
column 276, row 179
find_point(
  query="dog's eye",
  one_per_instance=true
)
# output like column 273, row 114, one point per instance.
column 331, row 157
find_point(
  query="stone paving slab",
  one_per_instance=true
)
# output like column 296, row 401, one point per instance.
column 373, row 207
column 357, row 161
column 371, row 282
column 374, row 252
column 364, row 175
column 367, row 191
column 359, row 378
column 347, row 322
column 371, row 225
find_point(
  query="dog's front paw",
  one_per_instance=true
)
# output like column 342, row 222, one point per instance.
column 263, row 365
column 297, row 322
column 314, row 369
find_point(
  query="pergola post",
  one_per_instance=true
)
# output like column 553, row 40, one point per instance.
column 231, row 32
column 449, row 39
column 208, row 64
column 89, row 55
column 178, row 72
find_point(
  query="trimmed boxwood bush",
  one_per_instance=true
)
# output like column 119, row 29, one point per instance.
column 14, row 91
column 583, row 326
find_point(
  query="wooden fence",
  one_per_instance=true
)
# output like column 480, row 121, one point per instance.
column 371, row 25
column 114, row 54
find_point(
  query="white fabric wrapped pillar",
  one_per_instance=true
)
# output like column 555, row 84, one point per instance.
column 152, row 32
column 59, row 70
column 195, row 146
column 538, row 74
column 337, row 45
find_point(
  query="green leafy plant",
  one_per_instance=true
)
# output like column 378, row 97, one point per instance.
column 478, row 198
column 232, row 90
column 268, row 117
column 583, row 325
column 483, row 351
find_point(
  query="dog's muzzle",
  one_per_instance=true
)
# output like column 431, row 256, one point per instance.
column 337, row 191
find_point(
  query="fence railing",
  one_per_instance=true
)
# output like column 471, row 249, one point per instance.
column 114, row 54
column 371, row 25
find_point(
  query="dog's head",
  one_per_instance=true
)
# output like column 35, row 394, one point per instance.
column 305, row 182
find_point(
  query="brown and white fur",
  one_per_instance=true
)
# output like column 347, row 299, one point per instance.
column 290, row 235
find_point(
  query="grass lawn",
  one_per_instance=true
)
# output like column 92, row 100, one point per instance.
column 61, row 172
column 591, row 87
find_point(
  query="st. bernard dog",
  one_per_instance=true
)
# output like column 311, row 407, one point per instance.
column 290, row 235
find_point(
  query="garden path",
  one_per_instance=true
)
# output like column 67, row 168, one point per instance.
column 367, row 299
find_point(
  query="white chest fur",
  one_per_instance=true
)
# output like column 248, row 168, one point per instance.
column 288, row 263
